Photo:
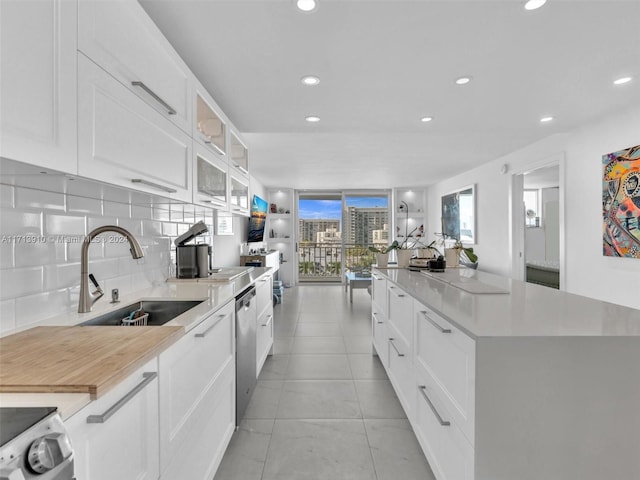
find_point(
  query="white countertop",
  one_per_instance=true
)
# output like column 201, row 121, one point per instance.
column 67, row 403
column 526, row 310
column 214, row 296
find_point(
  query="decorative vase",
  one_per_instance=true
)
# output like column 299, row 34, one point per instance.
column 382, row 259
column 403, row 257
column 452, row 256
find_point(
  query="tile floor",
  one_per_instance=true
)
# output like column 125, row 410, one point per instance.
column 323, row 408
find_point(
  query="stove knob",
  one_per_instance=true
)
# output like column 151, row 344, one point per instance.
column 11, row 474
column 49, row 451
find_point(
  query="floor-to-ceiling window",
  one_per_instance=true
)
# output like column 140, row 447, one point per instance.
column 335, row 231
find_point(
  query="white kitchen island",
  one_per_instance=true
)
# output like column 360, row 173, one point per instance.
column 528, row 384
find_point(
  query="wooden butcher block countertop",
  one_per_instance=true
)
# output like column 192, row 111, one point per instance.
column 78, row 359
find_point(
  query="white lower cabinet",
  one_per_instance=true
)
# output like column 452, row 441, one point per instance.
column 431, row 366
column 448, row 358
column 447, row 449
column 401, row 371
column 194, row 377
column 125, row 142
column 116, row 437
column 198, row 457
column 380, row 338
column 264, row 307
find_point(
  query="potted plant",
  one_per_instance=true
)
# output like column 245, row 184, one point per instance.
column 457, row 252
column 382, row 254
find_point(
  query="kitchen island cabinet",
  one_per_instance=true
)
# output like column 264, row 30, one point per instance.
column 520, row 384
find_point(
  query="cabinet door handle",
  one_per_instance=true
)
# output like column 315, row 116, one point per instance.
column 270, row 317
column 432, row 322
column 153, row 95
column 241, row 168
column 400, row 295
column 375, row 317
column 206, row 332
column 153, row 185
column 444, row 423
column 391, row 341
column 148, row 378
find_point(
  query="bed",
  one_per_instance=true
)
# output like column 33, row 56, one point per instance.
column 544, row 272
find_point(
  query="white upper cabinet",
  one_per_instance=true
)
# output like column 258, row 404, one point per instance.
column 211, row 180
column 210, row 127
column 123, row 141
column 38, row 82
column 239, row 157
column 239, row 195
column 120, row 37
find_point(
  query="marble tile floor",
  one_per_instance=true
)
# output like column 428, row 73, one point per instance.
column 323, row 408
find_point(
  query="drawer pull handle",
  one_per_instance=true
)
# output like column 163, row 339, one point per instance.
column 270, row 317
column 444, row 423
column 148, row 378
column 206, row 332
column 375, row 317
column 153, row 95
column 153, row 185
column 395, row 348
column 430, row 320
column 399, row 295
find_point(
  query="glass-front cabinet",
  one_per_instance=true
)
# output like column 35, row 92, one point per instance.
column 239, row 154
column 211, row 179
column 239, row 195
column 210, row 129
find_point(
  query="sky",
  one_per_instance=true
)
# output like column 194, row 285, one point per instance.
column 316, row 209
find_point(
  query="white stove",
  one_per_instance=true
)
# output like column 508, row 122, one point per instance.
column 34, row 444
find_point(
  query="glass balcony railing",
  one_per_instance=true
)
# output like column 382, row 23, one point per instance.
column 326, row 261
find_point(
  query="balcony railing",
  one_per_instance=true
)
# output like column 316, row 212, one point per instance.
column 326, row 262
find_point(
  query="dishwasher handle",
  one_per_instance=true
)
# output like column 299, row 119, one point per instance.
column 244, row 299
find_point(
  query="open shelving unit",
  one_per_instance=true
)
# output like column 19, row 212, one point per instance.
column 280, row 231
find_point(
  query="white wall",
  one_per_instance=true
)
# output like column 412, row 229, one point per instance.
column 587, row 272
column 492, row 202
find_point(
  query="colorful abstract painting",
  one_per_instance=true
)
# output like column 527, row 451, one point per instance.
column 621, row 203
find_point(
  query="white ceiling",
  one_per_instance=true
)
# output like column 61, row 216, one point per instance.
column 384, row 64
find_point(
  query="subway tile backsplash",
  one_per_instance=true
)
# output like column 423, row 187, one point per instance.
column 41, row 234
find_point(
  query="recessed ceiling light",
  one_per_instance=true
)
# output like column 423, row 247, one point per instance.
column 310, row 80
column 546, row 119
column 622, row 81
column 534, row 4
column 306, row 5
column 312, row 119
column 426, row 119
column 463, row 80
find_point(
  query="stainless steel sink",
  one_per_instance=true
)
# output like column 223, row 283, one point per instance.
column 160, row 312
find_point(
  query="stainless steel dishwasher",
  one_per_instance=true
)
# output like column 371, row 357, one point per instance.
column 246, row 327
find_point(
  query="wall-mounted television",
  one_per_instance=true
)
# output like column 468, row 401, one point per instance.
column 257, row 220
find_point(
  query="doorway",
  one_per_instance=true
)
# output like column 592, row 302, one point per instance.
column 538, row 225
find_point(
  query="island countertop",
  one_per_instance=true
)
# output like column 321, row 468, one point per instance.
column 525, row 310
